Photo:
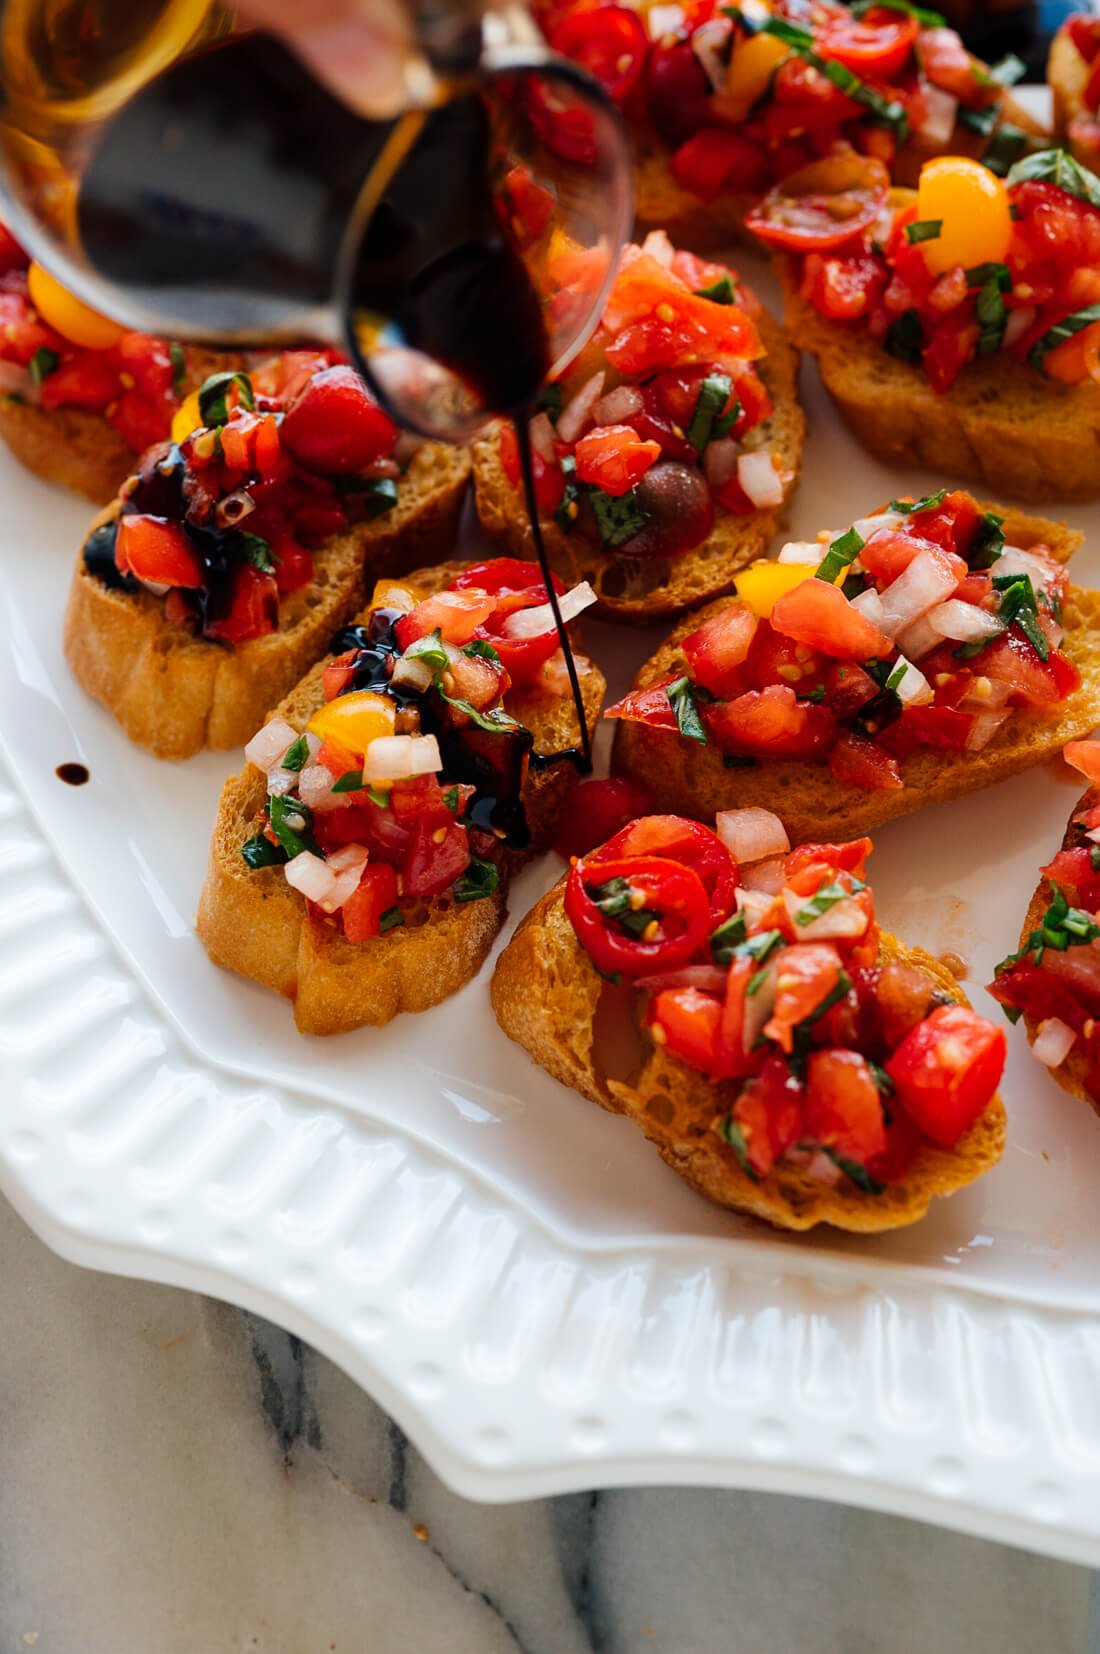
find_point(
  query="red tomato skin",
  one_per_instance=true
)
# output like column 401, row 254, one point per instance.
column 769, row 1110
column 87, row 380
column 430, row 867
column 819, row 615
column 254, row 611
column 677, row 91
column 687, row 843
column 843, row 289
column 778, row 224
column 375, row 895
column 689, row 1022
column 595, row 810
column 671, row 889
column 609, row 41
column 878, row 44
column 614, row 458
column 549, row 479
column 418, row 799
column 770, row 723
column 717, row 651
column 156, row 550
column 717, row 160
column 861, row 763
column 946, row 1071
column 843, row 1105
column 807, row 973
column 334, row 425
column 646, row 706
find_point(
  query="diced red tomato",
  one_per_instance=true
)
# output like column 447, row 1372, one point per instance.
column 22, row 335
column 436, row 858
column 861, row 763
column 375, row 894
column 609, row 41
column 773, row 658
column 420, row 799
column 770, row 723
column 156, row 550
column 1011, row 659
column 549, row 478
column 848, row 688
column 934, row 726
column 254, row 611
column 87, row 380
column 948, row 65
column 843, row 289
column 530, row 206
column 733, row 1059
column 363, row 822
column 718, row 160
column 821, row 860
column 819, row 615
column 12, row 256
column 889, row 552
column 595, row 810
column 769, row 1110
column 843, row 1105
column 1084, row 756
column 689, row 1022
column 456, row 615
column 1072, row 871
column 1039, row 993
column 946, row 1070
column 677, row 91
column 646, row 706
column 337, row 676
column 614, row 458
column 716, row 652
column 806, row 975
column 335, row 426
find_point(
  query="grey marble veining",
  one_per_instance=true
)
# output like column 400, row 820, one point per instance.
column 177, row 1477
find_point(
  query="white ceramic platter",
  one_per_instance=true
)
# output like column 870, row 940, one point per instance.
column 512, row 1273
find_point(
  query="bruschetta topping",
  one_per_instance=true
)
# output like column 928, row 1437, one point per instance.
column 924, row 631
column 264, row 466
column 407, row 783
column 975, row 267
column 745, row 95
column 659, row 424
column 1083, row 130
column 820, row 1054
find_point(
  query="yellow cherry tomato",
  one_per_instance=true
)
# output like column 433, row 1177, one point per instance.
column 396, row 594
column 354, row 721
column 186, row 418
column 68, row 315
column 762, row 584
column 753, row 63
column 972, row 204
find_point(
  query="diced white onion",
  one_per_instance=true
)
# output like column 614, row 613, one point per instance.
column 927, row 581
column 659, row 247
column 542, row 437
column 985, row 695
column 1053, row 1042
column 759, row 1006
column 709, row 979
column 709, row 43
column 751, row 834
column 803, row 552
column 268, row 745
column 534, row 622
column 1093, row 834
column 869, row 604
column 822, row 1169
column 412, row 673
column 752, row 903
column 574, row 415
column 1040, row 569
column 312, row 876
column 940, row 113
column 347, row 864
column 844, row 918
column 315, row 789
column 1018, row 323
column 919, row 638
column 553, row 674
column 765, row 877
column 662, row 20
column 720, row 460
column 866, row 526
column 985, row 727
column 396, row 757
column 759, row 478
column 280, row 781
column 912, row 688
column 621, row 403
column 156, row 588
column 965, row 622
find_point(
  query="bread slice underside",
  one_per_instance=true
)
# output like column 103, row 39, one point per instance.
column 547, row 997
column 176, row 693
column 692, row 779
column 1002, row 423
column 642, row 589
column 253, row 922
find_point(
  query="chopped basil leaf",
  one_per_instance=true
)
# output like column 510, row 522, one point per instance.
column 450, row 798
column 179, row 365
column 480, row 879
column 1094, row 858
column 259, row 851
column 967, row 651
column 980, row 275
column 854, row 585
column 496, row 720
column 350, row 782
column 550, row 402
column 379, row 495
column 826, row 897
column 43, row 363
column 1004, row 148
column 759, row 948
column 843, row 550
column 257, row 552
column 714, row 393
column 214, row 396
column 911, row 508
column 568, row 508
column 719, row 292
column 1062, row 927
column 1055, row 166
column 480, row 649
column 390, row 920
column 816, row 695
column 897, row 676
column 681, row 696
column 618, row 517
column 291, row 822
column 981, row 121
column 430, row 650
column 889, row 113
column 988, row 542
column 923, row 229
column 1013, row 1013
column 926, row 19
column 615, row 900
column 725, row 941
column 730, row 1133
column 905, row 337
column 993, row 317
column 296, row 755
column 1019, row 604
column 378, row 796
column 881, row 1078
column 1061, row 331
column 858, row 1174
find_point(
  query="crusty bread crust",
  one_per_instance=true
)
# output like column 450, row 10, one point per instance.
column 1001, row 424
column 645, row 589
column 546, row 993
column 660, row 203
column 692, row 779
column 253, row 922
column 82, row 450
column 1072, row 1074
column 1068, row 75
column 175, row 693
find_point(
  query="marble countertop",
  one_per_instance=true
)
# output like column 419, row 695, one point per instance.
column 178, row 1477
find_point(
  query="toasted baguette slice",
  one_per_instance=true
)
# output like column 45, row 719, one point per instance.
column 692, row 779
column 82, row 450
column 253, row 922
column 661, row 203
column 1002, row 423
column 1068, row 75
column 546, row 994
column 176, row 693
column 641, row 590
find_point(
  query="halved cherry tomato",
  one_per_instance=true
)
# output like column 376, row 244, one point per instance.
column 946, row 1070
column 677, row 91
column 769, row 1112
column 687, row 842
column 671, row 894
column 948, row 65
column 595, row 810
column 614, row 458
column 610, row 42
column 375, row 894
column 507, row 577
column 770, row 723
column 823, row 205
column 156, row 550
column 689, row 1022
column 876, row 44
column 335, row 426
column 843, row 1105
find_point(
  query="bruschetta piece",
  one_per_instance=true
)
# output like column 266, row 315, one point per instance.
column 957, row 327
column 229, row 559
column 664, row 459
column 1053, row 979
column 1073, row 71
column 794, row 1062
column 932, row 649
column 724, row 103
column 360, row 861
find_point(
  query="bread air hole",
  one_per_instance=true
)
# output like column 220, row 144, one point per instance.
column 616, row 1036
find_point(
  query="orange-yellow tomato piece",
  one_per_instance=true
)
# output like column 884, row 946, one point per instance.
column 68, row 315
column 752, row 66
column 972, row 204
column 396, row 594
column 354, row 721
column 1077, row 359
column 186, row 418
